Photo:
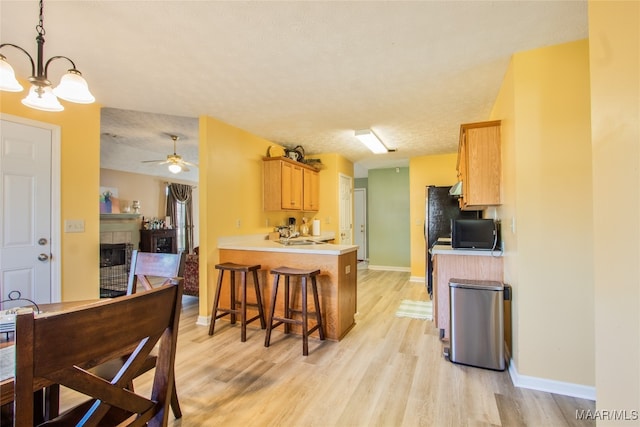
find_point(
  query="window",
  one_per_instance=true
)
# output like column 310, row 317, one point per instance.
column 180, row 226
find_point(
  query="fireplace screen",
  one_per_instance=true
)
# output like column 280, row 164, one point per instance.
column 115, row 263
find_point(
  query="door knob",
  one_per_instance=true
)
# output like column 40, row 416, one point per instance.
column 42, row 241
column 43, row 257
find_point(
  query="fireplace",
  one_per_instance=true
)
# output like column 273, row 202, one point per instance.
column 115, row 263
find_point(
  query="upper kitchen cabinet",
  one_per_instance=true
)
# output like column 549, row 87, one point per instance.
column 310, row 190
column 479, row 166
column 290, row 185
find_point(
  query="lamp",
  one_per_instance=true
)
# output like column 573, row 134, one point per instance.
column 41, row 96
column 371, row 140
column 175, row 168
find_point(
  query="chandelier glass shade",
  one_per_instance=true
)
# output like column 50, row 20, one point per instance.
column 72, row 87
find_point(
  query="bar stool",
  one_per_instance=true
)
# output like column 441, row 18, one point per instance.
column 287, row 319
column 233, row 311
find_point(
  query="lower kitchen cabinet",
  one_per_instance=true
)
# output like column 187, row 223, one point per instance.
column 457, row 266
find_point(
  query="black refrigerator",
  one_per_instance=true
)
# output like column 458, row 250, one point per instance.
column 440, row 209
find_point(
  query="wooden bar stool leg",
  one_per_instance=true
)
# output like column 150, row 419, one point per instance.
column 274, row 294
column 259, row 298
column 316, row 301
column 232, row 293
column 243, row 306
column 287, row 307
column 305, row 329
column 216, row 301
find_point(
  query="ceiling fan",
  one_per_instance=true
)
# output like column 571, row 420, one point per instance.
column 176, row 163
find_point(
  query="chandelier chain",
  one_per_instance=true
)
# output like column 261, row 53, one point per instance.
column 40, row 26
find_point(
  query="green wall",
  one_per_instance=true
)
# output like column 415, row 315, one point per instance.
column 388, row 212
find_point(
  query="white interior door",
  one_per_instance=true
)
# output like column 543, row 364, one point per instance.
column 360, row 221
column 27, row 236
column 346, row 209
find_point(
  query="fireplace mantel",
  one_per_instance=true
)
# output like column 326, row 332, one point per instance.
column 120, row 216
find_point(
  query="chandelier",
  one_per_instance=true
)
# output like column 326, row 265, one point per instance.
column 41, row 96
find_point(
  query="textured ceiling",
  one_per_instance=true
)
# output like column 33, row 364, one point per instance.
column 297, row 73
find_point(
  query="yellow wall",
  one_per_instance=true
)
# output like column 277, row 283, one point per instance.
column 614, row 34
column 424, row 171
column 230, row 178
column 79, row 181
column 329, row 213
column 545, row 106
column 148, row 190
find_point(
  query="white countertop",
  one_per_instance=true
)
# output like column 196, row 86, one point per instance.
column 448, row 250
column 261, row 244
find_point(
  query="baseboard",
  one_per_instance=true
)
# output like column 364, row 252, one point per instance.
column 417, row 279
column 389, row 268
column 550, row 386
column 203, row 320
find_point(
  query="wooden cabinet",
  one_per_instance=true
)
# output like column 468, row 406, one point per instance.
column 310, row 190
column 479, row 165
column 452, row 266
column 162, row 241
column 290, row 185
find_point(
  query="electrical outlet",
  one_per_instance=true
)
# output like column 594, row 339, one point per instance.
column 238, row 223
column 74, row 226
column 347, row 269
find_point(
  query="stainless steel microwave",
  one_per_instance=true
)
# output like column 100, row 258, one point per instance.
column 482, row 234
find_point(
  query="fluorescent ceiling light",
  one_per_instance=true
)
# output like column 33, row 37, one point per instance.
column 371, row 140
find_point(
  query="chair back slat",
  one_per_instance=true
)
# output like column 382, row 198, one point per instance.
column 59, row 348
column 148, row 267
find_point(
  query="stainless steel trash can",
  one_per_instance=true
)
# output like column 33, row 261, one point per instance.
column 477, row 323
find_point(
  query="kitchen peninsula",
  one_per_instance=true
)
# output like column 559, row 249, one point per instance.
column 337, row 282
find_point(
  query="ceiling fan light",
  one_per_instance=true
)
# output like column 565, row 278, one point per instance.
column 74, row 88
column 371, row 140
column 175, row 168
column 42, row 98
column 8, row 81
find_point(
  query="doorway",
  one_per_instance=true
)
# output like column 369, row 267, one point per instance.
column 360, row 221
column 29, row 203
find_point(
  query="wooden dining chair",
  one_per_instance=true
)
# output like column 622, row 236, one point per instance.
column 59, row 348
column 149, row 270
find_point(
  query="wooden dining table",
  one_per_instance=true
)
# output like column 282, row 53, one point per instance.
column 7, row 347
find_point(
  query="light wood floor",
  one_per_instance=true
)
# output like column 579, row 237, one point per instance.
column 387, row 371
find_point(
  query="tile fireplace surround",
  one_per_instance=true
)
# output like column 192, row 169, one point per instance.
column 119, row 235
column 120, row 228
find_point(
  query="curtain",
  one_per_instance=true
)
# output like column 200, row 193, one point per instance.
column 182, row 193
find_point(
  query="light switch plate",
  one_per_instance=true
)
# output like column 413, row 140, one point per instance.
column 74, row 226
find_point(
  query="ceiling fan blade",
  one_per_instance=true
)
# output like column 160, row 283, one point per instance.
column 184, row 162
column 152, row 161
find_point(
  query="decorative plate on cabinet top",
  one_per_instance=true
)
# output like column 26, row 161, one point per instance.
column 275, row 151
